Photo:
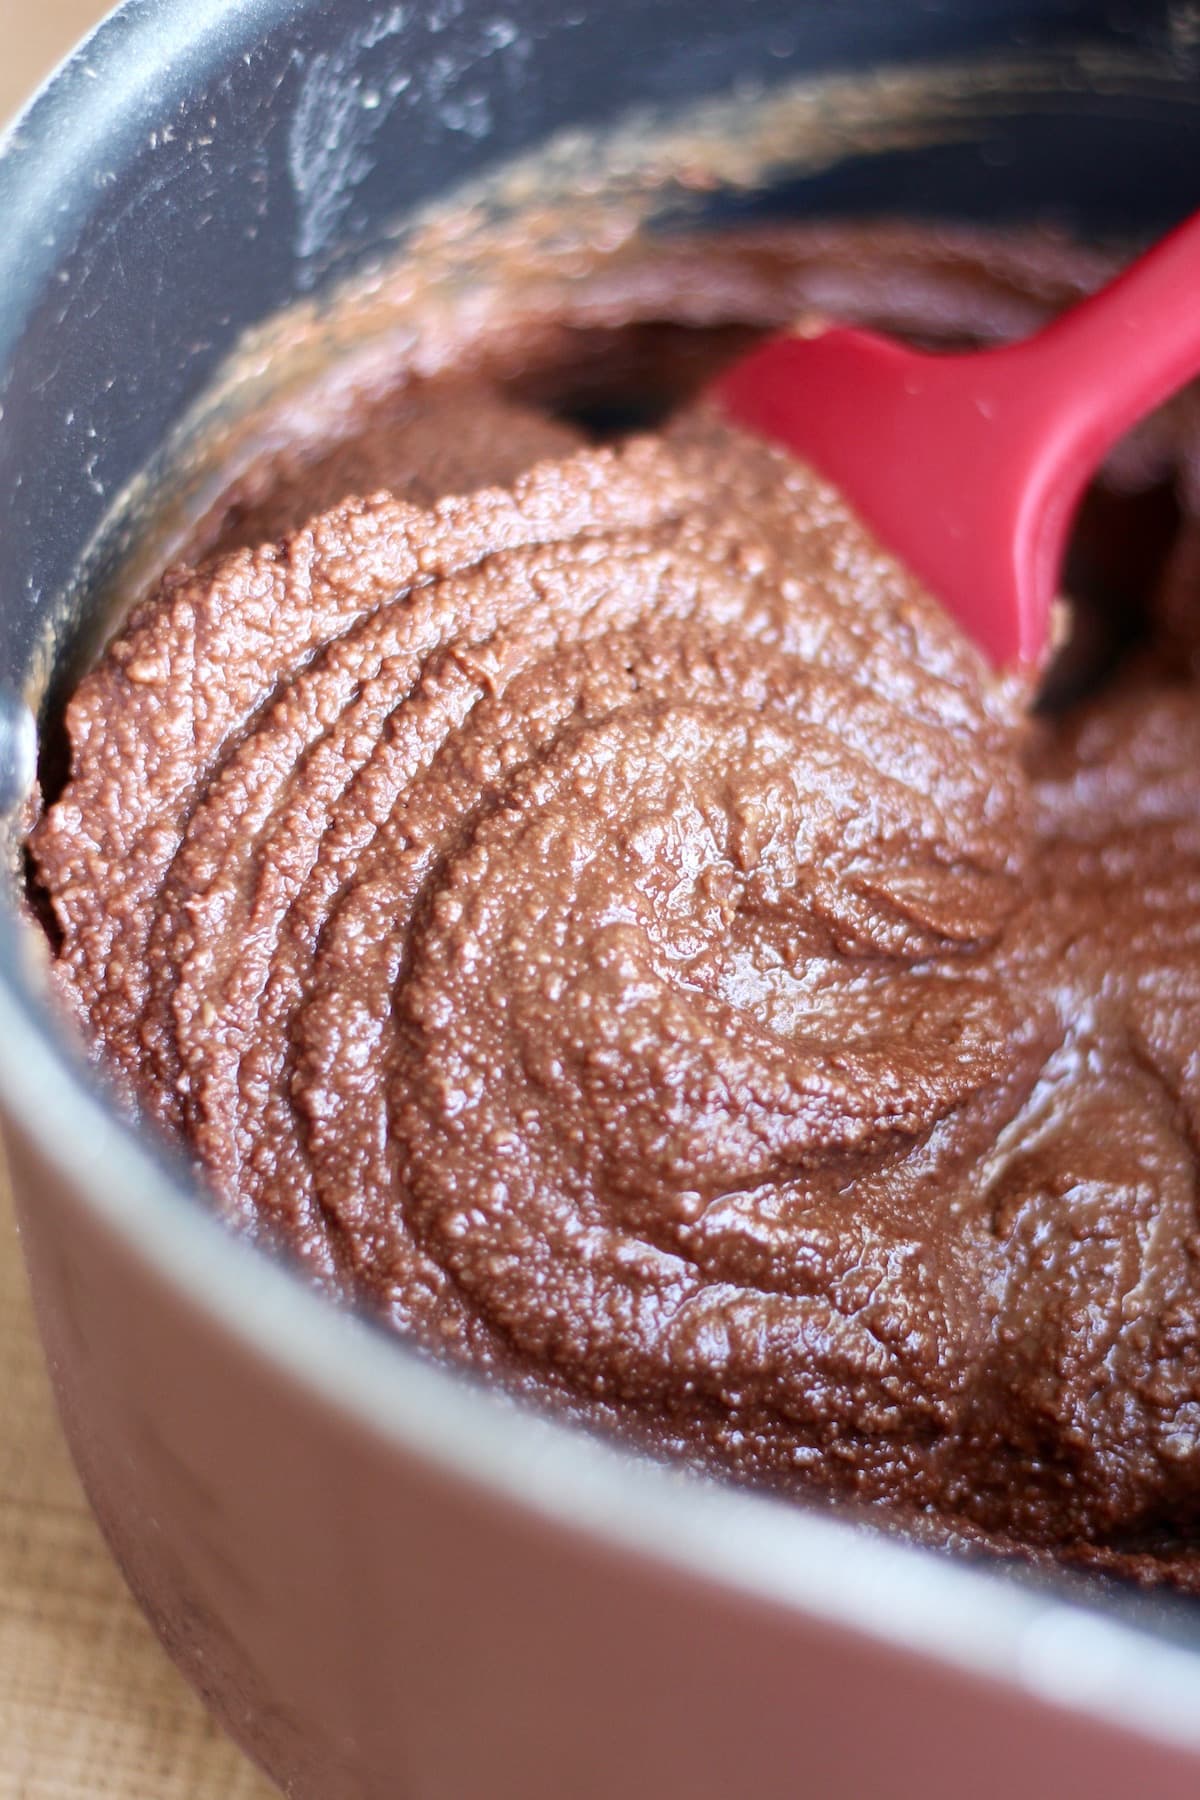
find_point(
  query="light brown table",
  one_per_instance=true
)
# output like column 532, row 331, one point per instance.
column 90, row 1708
column 36, row 33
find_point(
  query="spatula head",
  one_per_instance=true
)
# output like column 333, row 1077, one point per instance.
column 935, row 455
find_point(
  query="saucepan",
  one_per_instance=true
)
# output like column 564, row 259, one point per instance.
column 385, row 1580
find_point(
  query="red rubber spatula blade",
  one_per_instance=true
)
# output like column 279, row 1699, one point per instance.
column 970, row 467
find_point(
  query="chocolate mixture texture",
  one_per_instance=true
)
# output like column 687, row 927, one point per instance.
column 588, row 904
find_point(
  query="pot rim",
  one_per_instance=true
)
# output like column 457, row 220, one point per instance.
column 1044, row 1645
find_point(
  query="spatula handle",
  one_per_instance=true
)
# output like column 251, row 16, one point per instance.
column 1122, row 351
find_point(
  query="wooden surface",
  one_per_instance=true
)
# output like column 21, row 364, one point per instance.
column 35, row 35
column 90, row 1708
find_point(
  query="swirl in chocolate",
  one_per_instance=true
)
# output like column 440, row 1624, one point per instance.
column 609, row 920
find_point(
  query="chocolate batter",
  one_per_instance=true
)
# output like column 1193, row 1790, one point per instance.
column 587, row 903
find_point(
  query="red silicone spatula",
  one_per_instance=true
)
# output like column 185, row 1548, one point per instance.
column 969, row 467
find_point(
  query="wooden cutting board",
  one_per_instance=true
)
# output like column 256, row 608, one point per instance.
column 90, row 1708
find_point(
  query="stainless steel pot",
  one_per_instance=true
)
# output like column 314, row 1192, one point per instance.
column 386, row 1581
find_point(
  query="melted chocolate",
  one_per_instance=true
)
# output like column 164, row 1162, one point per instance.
column 592, row 907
